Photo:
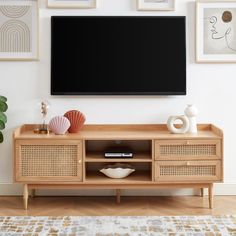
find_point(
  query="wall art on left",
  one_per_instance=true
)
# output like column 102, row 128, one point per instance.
column 19, row 30
column 72, row 3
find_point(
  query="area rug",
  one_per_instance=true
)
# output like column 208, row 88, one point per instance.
column 119, row 226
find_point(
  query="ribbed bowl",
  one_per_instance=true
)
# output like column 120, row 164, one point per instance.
column 59, row 124
column 76, row 119
column 117, row 171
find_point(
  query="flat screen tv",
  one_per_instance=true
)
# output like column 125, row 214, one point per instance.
column 118, row 55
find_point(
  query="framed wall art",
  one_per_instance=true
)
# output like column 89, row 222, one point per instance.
column 19, row 30
column 72, row 3
column 215, row 31
column 156, row 5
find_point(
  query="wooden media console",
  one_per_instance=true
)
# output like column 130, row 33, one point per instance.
column 161, row 159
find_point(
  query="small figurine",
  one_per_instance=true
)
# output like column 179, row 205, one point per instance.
column 43, row 129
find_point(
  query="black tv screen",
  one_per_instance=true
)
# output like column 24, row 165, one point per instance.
column 118, row 55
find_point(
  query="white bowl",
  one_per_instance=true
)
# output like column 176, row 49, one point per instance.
column 117, row 171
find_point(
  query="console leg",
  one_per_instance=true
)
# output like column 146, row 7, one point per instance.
column 25, row 196
column 118, row 192
column 33, row 193
column 202, row 192
column 210, row 196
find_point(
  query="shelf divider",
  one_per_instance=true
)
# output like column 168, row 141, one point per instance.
column 136, row 177
column 99, row 157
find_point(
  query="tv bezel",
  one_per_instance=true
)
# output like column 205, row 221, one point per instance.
column 166, row 93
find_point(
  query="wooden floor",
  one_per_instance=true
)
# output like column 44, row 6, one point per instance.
column 107, row 206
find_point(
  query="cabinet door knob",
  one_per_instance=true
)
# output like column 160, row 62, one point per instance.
column 79, row 161
column 187, row 163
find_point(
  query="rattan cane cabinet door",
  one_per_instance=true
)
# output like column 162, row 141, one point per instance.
column 48, row 160
column 187, row 149
column 188, row 171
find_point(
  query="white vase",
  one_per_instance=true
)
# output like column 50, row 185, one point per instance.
column 191, row 112
column 182, row 129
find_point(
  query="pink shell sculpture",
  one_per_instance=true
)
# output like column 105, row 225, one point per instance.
column 59, row 124
column 76, row 119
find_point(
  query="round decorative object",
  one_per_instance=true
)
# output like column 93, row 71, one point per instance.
column 117, row 171
column 76, row 119
column 59, row 124
column 183, row 129
column 191, row 112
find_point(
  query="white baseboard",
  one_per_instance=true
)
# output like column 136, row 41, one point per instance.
column 219, row 189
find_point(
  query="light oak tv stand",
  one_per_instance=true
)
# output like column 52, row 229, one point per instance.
column 161, row 159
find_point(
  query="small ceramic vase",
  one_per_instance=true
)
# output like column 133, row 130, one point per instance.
column 76, row 119
column 59, row 124
column 191, row 112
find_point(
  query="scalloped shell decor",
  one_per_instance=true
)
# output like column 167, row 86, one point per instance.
column 59, row 124
column 76, row 119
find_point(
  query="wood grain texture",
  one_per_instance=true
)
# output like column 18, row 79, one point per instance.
column 99, row 157
column 130, row 206
column 188, row 149
column 187, row 171
column 161, row 159
column 202, row 192
column 38, row 156
column 119, row 132
column 210, row 196
column 25, row 196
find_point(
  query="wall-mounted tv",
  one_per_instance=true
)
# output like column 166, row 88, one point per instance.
column 118, row 55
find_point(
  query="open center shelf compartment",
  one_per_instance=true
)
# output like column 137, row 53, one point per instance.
column 95, row 150
column 136, row 177
column 143, row 173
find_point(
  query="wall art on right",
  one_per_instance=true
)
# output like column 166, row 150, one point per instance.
column 156, row 5
column 216, row 31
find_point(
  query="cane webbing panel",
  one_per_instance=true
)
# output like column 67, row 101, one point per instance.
column 208, row 170
column 49, row 160
column 188, row 150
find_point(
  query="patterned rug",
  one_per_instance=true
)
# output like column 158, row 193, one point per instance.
column 119, row 226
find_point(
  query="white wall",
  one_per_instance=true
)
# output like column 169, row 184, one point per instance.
column 210, row 86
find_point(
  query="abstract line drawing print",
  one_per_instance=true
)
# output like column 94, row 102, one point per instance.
column 14, row 37
column 14, row 11
column 220, row 31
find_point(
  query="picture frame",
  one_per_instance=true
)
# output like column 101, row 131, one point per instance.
column 156, row 5
column 19, row 30
column 72, row 4
column 215, row 31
